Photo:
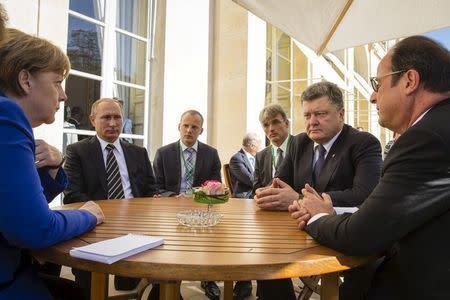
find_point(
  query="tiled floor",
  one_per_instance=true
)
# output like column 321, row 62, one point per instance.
column 189, row 289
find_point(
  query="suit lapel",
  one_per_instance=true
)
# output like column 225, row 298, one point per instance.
column 247, row 163
column 176, row 154
column 331, row 162
column 131, row 166
column 306, row 161
column 268, row 164
column 199, row 162
column 97, row 159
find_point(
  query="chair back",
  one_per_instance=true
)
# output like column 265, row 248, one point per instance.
column 227, row 176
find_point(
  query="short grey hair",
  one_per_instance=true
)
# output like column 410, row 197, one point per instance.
column 324, row 88
column 97, row 102
column 271, row 111
column 250, row 139
column 192, row 112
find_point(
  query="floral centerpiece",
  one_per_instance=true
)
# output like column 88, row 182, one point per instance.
column 211, row 192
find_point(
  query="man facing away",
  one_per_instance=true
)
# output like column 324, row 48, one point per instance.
column 103, row 167
column 333, row 157
column 185, row 164
column 407, row 216
column 242, row 166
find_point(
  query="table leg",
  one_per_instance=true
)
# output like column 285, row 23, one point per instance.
column 330, row 286
column 228, row 290
column 169, row 291
column 99, row 286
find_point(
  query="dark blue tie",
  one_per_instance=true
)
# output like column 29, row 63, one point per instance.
column 319, row 163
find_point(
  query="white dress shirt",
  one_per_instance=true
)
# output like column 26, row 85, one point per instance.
column 120, row 158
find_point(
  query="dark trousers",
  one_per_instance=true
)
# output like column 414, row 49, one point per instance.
column 357, row 282
column 356, row 285
column 61, row 288
column 275, row 289
column 83, row 279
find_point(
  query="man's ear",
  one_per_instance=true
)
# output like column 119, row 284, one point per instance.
column 342, row 113
column 25, row 81
column 412, row 78
column 92, row 118
column 201, row 131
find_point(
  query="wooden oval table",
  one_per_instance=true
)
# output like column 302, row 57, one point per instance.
column 247, row 244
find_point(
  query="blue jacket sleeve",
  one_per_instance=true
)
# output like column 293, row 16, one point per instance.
column 52, row 187
column 26, row 221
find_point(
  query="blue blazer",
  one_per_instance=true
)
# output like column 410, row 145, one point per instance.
column 26, row 222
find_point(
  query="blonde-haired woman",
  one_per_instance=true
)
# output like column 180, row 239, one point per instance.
column 31, row 73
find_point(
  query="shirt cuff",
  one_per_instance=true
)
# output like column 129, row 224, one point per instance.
column 316, row 217
column 338, row 210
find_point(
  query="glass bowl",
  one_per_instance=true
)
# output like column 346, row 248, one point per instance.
column 198, row 218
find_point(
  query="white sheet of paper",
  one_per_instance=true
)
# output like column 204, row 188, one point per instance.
column 112, row 250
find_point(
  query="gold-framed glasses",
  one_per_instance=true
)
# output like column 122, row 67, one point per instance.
column 376, row 81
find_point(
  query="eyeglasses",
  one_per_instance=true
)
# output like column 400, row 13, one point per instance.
column 376, row 81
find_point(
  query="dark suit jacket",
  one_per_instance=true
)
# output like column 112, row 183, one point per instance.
column 85, row 169
column 263, row 166
column 351, row 171
column 167, row 166
column 408, row 213
column 241, row 174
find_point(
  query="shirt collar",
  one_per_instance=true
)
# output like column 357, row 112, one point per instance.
column 247, row 154
column 184, row 147
column 104, row 143
column 330, row 143
column 283, row 146
column 420, row 117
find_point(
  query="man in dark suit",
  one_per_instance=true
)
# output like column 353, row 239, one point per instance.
column 242, row 166
column 333, row 157
column 188, row 163
column 88, row 166
column 275, row 124
column 407, row 216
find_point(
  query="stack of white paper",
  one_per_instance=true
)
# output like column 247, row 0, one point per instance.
column 110, row 251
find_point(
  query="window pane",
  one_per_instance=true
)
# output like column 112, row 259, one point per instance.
column 84, row 46
column 91, row 8
column 132, row 16
column 133, row 107
column 130, row 60
column 81, row 93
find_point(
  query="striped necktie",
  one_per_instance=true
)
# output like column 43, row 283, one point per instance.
column 252, row 162
column 189, row 172
column 279, row 158
column 115, row 188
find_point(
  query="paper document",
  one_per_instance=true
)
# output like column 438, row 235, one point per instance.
column 342, row 210
column 112, row 250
